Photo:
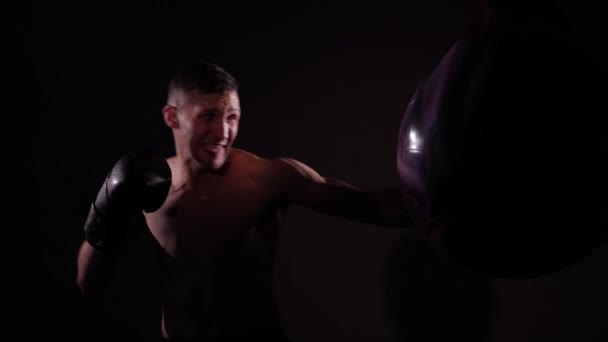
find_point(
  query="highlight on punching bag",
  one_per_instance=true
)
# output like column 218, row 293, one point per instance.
column 501, row 149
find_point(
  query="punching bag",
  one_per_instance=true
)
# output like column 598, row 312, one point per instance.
column 501, row 149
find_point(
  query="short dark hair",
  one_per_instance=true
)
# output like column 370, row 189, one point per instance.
column 205, row 77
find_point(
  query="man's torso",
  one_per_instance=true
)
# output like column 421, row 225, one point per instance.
column 217, row 241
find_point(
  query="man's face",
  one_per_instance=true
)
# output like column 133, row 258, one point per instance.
column 207, row 126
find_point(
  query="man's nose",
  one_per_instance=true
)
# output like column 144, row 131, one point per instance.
column 221, row 129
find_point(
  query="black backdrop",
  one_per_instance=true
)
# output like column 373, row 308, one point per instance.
column 325, row 83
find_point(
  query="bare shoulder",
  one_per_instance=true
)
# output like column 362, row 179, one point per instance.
column 245, row 159
column 295, row 169
column 276, row 170
column 251, row 164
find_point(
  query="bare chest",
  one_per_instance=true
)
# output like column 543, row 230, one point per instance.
column 203, row 221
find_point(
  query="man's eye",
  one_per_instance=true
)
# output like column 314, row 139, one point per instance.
column 232, row 117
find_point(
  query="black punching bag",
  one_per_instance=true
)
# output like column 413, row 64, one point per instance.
column 502, row 148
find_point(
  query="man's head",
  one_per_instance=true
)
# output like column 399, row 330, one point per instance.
column 203, row 112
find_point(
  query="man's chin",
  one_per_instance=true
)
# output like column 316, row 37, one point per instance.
column 212, row 160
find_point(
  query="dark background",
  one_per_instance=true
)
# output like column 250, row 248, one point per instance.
column 325, row 83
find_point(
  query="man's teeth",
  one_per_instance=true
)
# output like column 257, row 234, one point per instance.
column 213, row 146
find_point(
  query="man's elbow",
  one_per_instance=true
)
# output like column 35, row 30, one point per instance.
column 91, row 269
column 83, row 284
column 86, row 285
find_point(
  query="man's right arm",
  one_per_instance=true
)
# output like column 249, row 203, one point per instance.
column 95, row 267
column 136, row 183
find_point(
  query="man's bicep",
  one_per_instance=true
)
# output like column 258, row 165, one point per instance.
column 301, row 184
column 308, row 188
column 298, row 171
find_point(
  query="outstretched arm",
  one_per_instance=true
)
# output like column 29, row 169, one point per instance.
column 304, row 186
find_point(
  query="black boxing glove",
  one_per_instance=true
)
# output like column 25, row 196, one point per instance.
column 136, row 182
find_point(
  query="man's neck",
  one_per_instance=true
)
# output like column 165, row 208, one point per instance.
column 188, row 172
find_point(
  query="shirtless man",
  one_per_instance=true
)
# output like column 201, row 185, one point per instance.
column 210, row 207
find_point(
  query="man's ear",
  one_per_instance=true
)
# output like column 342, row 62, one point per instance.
column 170, row 116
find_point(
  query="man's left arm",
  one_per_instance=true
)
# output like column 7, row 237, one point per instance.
column 338, row 198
